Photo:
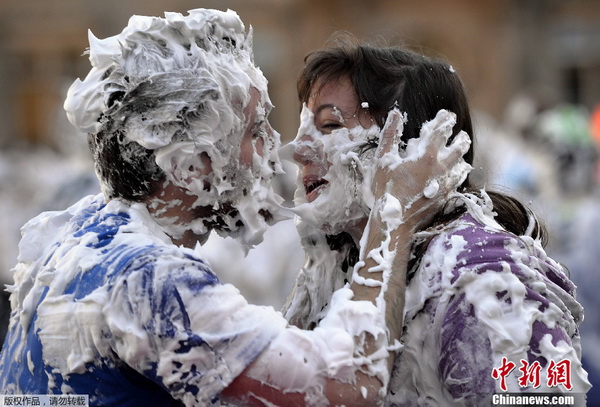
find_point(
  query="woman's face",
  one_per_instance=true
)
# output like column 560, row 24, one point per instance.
column 335, row 172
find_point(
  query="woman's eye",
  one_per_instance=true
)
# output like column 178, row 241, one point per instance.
column 330, row 126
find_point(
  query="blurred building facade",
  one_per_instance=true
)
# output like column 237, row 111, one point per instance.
column 548, row 48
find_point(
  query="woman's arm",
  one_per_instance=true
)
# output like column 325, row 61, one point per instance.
column 405, row 205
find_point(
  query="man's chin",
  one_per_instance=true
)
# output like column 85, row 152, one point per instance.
column 267, row 216
column 226, row 220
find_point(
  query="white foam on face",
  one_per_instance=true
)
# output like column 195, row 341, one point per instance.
column 347, row 197
column 184, row 86
column 346, row 159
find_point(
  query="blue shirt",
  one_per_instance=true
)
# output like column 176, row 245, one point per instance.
column 105, row 305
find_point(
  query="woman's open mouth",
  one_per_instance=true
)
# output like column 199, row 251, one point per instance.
column 312, row 186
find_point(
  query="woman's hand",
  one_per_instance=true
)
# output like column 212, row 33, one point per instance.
column 421, row 175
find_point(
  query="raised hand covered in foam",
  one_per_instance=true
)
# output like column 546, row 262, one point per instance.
column 413, row 182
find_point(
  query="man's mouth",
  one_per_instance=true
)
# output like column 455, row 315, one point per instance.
column 312, row 185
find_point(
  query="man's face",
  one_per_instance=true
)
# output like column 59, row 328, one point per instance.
column 258, row 130
column 257, row 135
column 248, row 201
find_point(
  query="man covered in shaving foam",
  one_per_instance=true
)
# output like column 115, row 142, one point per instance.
column 112, row 298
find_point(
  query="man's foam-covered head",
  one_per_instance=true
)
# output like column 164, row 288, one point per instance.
column 166, row 94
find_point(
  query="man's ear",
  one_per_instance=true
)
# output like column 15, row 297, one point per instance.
column 193, row 170
column 184, row 165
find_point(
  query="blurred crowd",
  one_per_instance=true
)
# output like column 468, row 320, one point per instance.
column 549, row 158
column 545, row 155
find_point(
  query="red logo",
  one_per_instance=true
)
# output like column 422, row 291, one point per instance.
column 557, row 373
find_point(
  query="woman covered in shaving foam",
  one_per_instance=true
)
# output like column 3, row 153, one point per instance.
column 112, row 298
column 487, row 311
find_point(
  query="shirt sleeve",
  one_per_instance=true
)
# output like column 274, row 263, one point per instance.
column 172, row 320
column 505, row 299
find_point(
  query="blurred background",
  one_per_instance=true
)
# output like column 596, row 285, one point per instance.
column 531, row 68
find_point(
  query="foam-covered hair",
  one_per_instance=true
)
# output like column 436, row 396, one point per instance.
column 193, row 47
column 176, row 85
column 175, row 89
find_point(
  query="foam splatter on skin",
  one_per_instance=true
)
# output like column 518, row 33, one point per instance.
column 349, row 159
column 179, row 86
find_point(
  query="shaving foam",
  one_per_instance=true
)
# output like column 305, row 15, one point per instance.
column 347, row 197
column 179, row 86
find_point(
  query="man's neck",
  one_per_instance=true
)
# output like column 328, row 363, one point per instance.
column 170, row 207
column 190, row 239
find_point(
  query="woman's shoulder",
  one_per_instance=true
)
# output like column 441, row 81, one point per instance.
column 470, row 239
column 470, row 245
column 472, row 253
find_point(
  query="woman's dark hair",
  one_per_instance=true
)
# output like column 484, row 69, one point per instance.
column 388, row 77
